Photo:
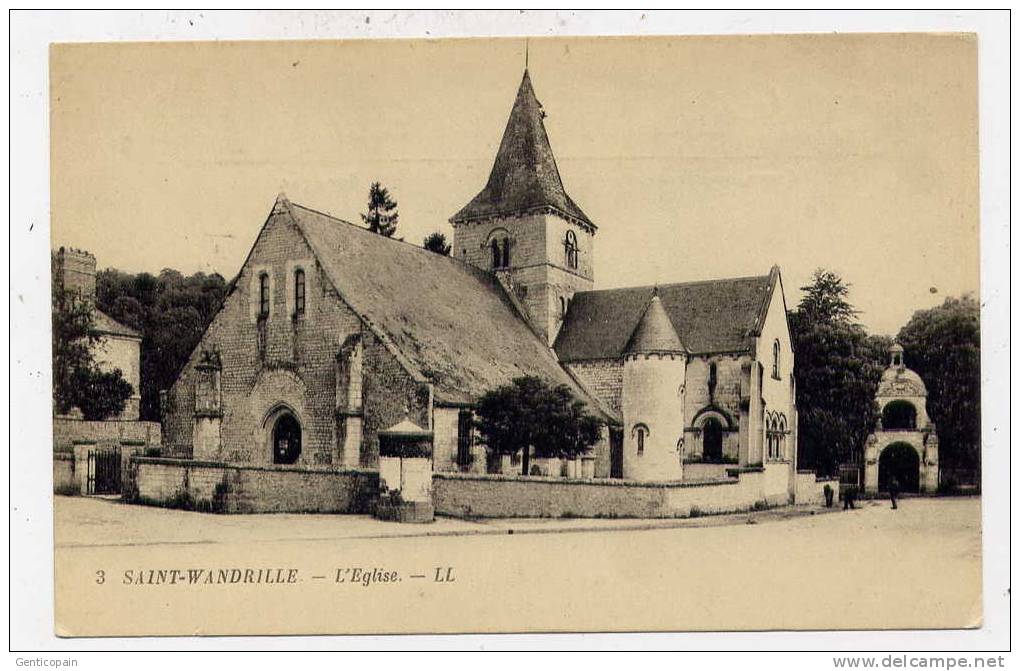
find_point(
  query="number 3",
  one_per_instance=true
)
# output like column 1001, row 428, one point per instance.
column 100, row 577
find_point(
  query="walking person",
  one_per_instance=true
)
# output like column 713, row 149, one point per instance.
column 894, row 490
column 848, row 497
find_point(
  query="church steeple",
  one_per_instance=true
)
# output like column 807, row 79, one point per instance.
column 524, row 227
column 524, row 177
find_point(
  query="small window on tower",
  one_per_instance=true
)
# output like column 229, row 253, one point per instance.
column 640, row 434
column 775, row 359
column 570, row 249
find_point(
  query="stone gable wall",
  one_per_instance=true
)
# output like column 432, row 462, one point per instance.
column 287, row 362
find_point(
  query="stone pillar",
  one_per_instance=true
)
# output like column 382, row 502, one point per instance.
column 205, row 437
column 405, row 474
column 871, row 465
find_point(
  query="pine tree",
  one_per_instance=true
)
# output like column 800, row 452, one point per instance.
column 382, row 212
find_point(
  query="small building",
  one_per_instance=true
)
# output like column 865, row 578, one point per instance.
column 88, row 453
column 904, row 444
column 119, row 345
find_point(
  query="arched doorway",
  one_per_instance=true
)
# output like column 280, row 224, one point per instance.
column 900, row 460
column 899, row 415
column 711, row 440
column 286, row 439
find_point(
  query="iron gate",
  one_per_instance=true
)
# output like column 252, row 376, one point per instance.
column 104, row 472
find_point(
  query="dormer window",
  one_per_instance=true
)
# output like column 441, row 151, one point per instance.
column 570, row 249
column 263, row 295
column 299, row 291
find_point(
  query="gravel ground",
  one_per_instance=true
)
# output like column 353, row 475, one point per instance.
column 916, row 567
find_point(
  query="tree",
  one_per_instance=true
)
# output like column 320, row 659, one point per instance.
column 171, row 311
column 101, row 394
column 943, row 346
column 838, row 369
column 436, row 242
column 528, row 414
column 382, row 212
column 825, row 299
column 78, row 381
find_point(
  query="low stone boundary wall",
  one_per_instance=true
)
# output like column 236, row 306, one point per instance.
column 473, row 495
column 810, row 489
column 241, row 488
column 70, row 432
column 65, row 480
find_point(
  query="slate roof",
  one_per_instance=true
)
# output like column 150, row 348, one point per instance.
column 104, row 323
column 654, row 333
column 447, row 321
column 711, row 316
column 524, row 176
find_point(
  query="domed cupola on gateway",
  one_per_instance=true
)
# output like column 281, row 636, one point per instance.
column 904, row 444
column 523, row 226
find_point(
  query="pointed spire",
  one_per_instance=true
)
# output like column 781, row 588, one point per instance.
column 282, row 204
column 524, row 176
column 654, row 332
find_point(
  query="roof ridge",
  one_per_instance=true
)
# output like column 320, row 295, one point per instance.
column 391, row 239
column 693, row 283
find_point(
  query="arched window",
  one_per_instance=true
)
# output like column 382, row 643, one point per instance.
column 899, row 415
column 775, row 359
column 286, row 439
column 299, row 291
column 264, row 295
column 712, row 379
column 640, row 434
column 500, row 246
column 570, row 249
column 711, row 441
column 563, row 306
column 506, row 253
column 497, row 254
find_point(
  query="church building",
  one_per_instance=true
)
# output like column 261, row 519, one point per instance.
column 330, row 334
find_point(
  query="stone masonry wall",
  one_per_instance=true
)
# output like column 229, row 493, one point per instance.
column 67, row 432
column 470, row 495
column 286, row 362
column 217, row 487
column 603, row 378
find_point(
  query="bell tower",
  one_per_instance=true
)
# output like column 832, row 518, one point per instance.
column 524, row 227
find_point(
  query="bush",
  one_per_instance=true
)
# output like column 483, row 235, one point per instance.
column 68, row 489
column 695, row 512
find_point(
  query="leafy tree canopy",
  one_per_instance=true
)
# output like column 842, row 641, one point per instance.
column 436, row 242
column 78, row 381
column 529, row 412
column 943, row 345
column 838, row 369
column 382, row 215
column 171, row 311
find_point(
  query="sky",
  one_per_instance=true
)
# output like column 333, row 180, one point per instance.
column 697, row 157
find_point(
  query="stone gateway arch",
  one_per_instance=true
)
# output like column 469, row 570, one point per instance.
column 904, row 444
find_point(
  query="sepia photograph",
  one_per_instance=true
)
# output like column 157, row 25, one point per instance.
column 516, row 335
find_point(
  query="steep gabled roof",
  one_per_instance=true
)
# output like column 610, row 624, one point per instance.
column 524, row 176
column 105, row 324
column 654, row 332
column 712, row 316
column 449, row 322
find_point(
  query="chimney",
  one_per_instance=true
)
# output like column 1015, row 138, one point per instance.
column 76, row 271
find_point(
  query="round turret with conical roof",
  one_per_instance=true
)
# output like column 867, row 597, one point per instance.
column 654, row 376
